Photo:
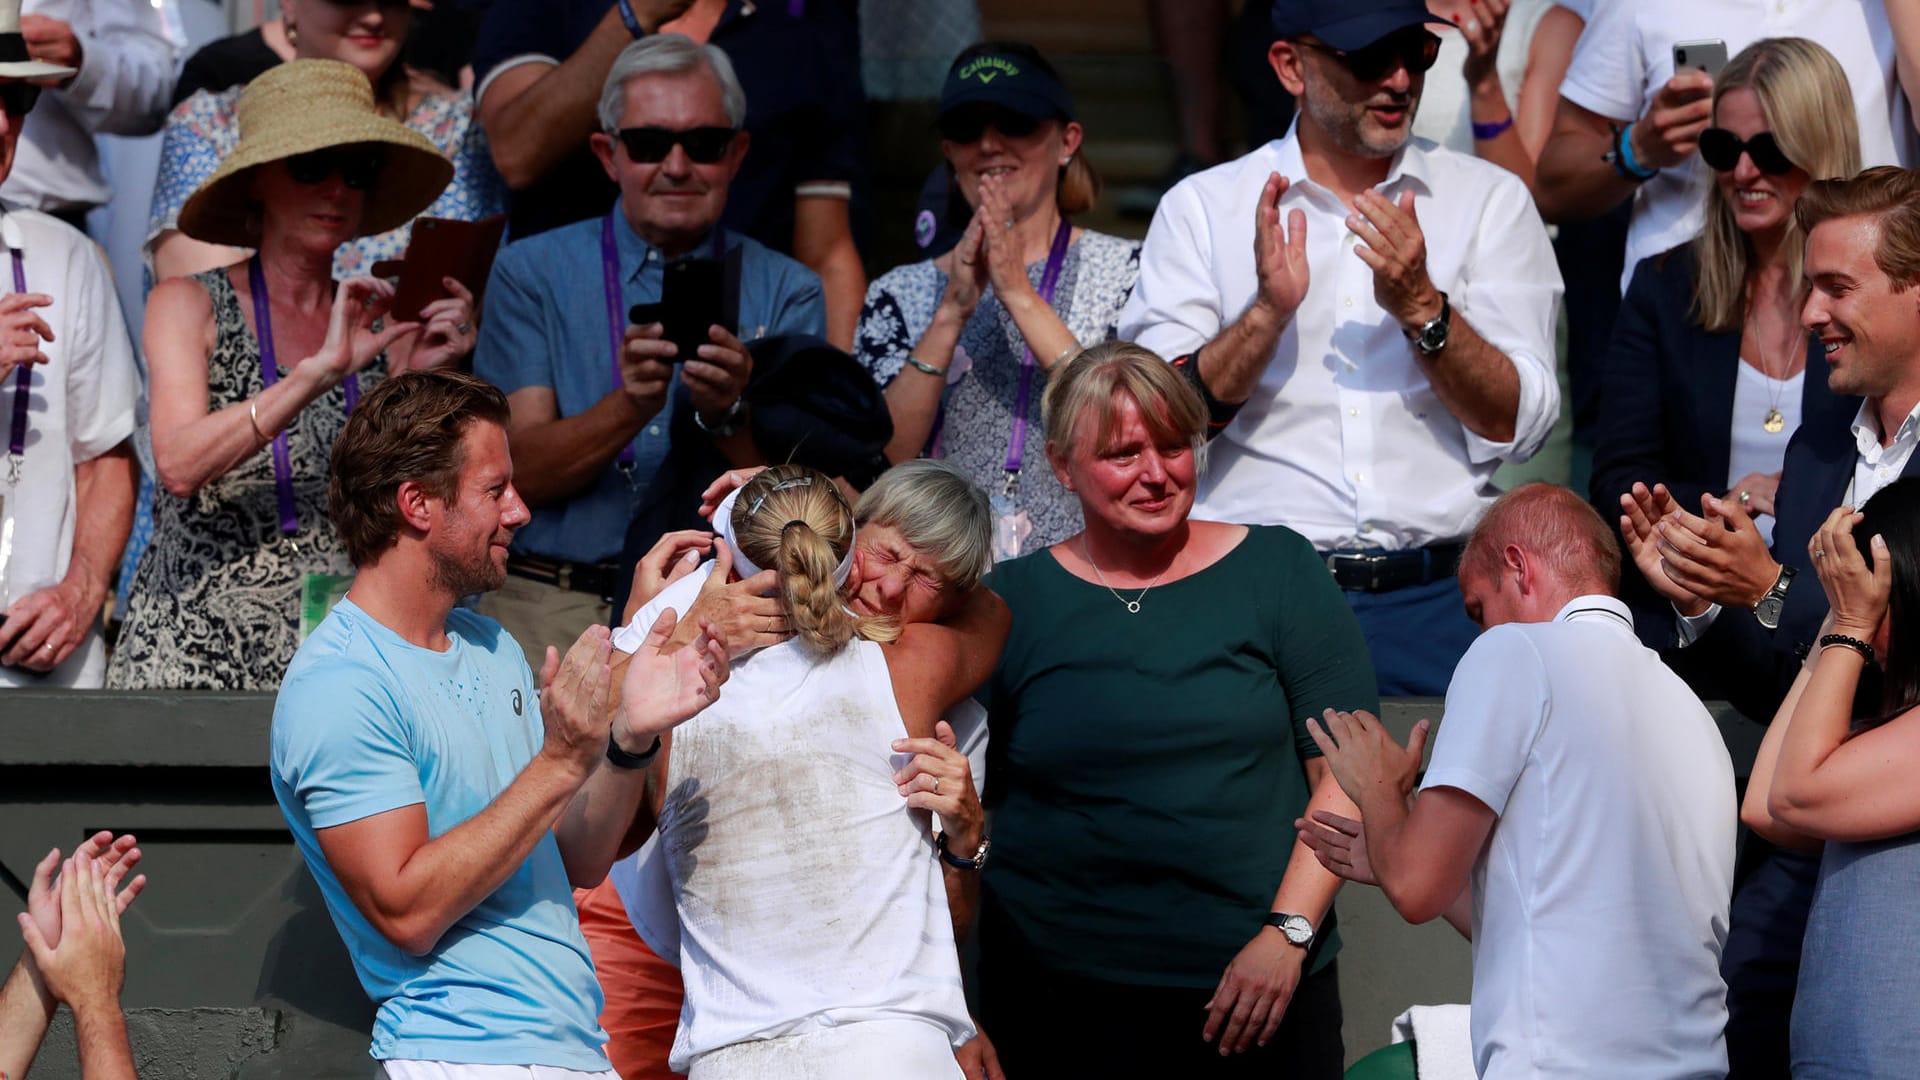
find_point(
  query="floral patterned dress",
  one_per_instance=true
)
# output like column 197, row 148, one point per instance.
column 204, row 129
column 975, row 428
column 215, row 603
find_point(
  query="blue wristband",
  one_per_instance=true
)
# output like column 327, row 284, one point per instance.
column 633, row 21
column 1630, row 167
column 1483, row 132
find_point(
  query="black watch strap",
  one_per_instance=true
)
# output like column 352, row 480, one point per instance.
column 955, row 861
column 623, row 760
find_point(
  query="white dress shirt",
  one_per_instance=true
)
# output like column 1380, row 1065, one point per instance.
column 127, row 68
column 1874, row 468
column 1626, row 55
column 1344, row 440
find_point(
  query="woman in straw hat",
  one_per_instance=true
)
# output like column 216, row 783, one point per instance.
column 203, row 130
column 253, row 370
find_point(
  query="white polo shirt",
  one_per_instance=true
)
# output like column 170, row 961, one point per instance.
column 80, row 405
column 1344, row 439
column 1626, row 55
column 1600, row 901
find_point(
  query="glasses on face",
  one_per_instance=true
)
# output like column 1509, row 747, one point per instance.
column 18, row 98
column 1417, row 51
column 966, row 125
column 358, row 169
column 1721, row 149
column 651, row 145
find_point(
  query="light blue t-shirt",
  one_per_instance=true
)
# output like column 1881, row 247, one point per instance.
column 367, row 723
column 546, row 326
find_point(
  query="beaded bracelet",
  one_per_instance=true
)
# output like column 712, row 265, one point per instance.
column 1843, row 641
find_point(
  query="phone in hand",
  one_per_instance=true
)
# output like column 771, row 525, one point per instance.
column 695, row 294
column 1709, row 55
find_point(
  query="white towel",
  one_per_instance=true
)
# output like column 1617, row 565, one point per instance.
column 1442, row 1040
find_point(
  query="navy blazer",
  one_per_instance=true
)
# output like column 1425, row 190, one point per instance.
column 1666, row 410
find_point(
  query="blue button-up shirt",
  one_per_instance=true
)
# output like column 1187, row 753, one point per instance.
column 546, row 325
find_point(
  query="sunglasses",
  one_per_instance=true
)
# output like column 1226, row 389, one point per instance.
column 18, row 98
column 358, row 169
column 651, row 145
column 966, row 125
column 1377, row 61
column 1721, row 149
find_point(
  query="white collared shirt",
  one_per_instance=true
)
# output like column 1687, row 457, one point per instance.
column 128, row 64
column 1600, row 900
column 1344, row 440
column 1625, row 56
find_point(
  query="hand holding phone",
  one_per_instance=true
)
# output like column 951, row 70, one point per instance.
column 1669, row 133
column 1708, row 55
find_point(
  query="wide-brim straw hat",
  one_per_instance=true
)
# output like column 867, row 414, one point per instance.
column 15, row 62
column 307, row 105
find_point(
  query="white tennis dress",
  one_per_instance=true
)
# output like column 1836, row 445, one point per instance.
column 815, row 937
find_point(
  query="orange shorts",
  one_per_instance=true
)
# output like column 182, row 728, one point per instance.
column 643, row 991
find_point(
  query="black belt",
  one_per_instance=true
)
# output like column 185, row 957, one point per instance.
column 599, row 579
column 1376, row 570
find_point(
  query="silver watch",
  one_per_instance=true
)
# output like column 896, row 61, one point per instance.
column 730, row 421
column 1432, row 336
column 1297, row 928
column 1767, row 610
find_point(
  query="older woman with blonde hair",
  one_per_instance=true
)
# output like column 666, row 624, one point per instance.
column 253, row 368
column 1710, row 372
column 1149, row 755
column 963, row 343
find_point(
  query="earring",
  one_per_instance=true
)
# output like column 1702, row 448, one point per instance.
column 293, row 34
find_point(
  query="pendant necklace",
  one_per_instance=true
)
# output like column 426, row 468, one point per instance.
column 1775, row 421
column 1133, row 605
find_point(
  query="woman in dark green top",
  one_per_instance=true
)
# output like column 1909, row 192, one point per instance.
column 1149, row 757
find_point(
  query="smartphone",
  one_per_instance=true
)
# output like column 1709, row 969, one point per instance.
column 1708, row 56
column 694, row 295
column 443, row 248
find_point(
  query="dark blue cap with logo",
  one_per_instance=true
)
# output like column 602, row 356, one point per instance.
column 1008, row 79
column 1348, row 25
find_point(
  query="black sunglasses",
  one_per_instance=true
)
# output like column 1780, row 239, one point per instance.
column 651, row 145
column 1377, row 61
column 966, row 125
column 358, row 169
column 18, row 98
column 1721, row 149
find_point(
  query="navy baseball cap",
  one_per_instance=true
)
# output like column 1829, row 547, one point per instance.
column 1349, row 25
column 1011, row 77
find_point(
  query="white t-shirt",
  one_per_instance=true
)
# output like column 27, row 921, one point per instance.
column 1600, row 900
column 1626, row 55
column 80, row 405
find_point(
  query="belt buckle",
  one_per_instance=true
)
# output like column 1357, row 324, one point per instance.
column 563, row 575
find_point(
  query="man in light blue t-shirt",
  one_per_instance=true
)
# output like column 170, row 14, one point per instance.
column 424, row 774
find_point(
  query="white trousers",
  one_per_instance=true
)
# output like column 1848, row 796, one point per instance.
column 894, row 1049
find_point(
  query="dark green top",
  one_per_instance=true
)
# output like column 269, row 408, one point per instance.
column 1145, row 770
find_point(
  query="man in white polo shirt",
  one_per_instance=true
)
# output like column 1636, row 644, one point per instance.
column 1576, row 821
column 1622, row 85
column 1384, row 351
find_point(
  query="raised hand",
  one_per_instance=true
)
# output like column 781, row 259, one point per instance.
column 743, row 614
column 672, row 557
column 117, row 857
column 1482, row 27
column 729, row 482
column 967, row 269
column 87, row 967
column 1363, row 756
column 646, row 368
column 1006, row 270
column 1670, row 131
column 1641, row 511
column 1392, row 244
column 1857, row 593
column 663, row 689
column 449, row 333
column 573, row 700
column 22, row 331
column 718, row 375
column 1279, row 255
column 1718, row 555
column 352, row 342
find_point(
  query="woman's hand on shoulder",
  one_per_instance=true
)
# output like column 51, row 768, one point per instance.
column 938, row 778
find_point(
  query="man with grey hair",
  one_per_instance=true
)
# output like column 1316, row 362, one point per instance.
column 602, row 422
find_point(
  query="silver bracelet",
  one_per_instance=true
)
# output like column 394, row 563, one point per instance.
column 922, row 366
column 253, row 417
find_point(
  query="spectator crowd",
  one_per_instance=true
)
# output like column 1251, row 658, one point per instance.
column 687, row 649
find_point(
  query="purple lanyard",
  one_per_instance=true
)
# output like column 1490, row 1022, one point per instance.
column 617, row 319
column 22, row 387
column 270, row 374
column 1049, row 277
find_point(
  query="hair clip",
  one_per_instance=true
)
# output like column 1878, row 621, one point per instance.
column 792, row 482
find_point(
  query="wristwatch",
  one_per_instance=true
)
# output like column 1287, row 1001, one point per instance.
column 1297, row 928
column 1767, row 609
column 729, row 423
column 978, row 861
column 1432, row 335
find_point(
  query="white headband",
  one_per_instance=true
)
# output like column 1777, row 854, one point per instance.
column 745, row 567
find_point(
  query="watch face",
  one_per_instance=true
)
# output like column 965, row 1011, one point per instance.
column 1298, row 929
column 1768, row 612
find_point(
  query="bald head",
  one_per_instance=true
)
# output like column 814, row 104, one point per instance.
column 1568, row 550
